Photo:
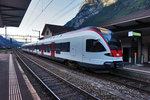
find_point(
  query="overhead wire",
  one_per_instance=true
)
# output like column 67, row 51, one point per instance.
column 64, row 14
column 40, row 13
column 59, row 12
column 33, row 11
column 62, row 10
column 34, row 8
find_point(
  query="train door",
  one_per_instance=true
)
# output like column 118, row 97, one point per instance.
column 86, row 55
column 42, row 49
column 93, row 51
column 72, row 49
column 85, row 58
column 53, row 47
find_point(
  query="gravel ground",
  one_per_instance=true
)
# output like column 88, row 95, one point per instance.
column 100, row 88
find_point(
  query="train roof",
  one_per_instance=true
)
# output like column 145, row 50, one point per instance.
column 99, row 29
column 29, row 44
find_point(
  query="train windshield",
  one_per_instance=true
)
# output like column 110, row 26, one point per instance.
column 114, row 44
column 112, row 41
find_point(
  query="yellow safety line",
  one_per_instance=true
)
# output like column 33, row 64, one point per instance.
column 29, row 85
column 14, row 89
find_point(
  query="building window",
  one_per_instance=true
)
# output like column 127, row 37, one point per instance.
column 94, row 46
column 47, row 32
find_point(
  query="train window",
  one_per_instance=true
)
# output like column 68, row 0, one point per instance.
column 58, row 48
column 114, row 44
column 65, row 47
column 48, row 48
column 30, row 47
column 39, row 47
column 33, row 47
column 45, row 48
column 94, row 46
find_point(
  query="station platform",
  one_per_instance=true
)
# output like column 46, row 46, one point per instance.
column 141, row 68
column 138, row 71
column 14, row 84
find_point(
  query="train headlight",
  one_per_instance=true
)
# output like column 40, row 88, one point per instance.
column 117, row 54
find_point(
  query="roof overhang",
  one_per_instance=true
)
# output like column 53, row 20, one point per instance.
column 12, row 12
column 135, row 21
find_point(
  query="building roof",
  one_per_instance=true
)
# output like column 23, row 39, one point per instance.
column 12, row 12
column 133, row 21
column 55, row 29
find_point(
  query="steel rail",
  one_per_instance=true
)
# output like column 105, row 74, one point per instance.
column 70, row 84
column 46, row 62
column 55, row 96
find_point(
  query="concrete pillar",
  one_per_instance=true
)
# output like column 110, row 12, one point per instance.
column 130, row 55
column 139, row 53
column 145, row 52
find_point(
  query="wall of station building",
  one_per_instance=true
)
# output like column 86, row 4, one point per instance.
column 146, row 48
column 130, row 46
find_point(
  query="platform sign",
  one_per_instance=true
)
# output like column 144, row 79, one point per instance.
column 131, row 33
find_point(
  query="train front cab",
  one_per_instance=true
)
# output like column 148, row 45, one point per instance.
column 115, row 48
column 103, row 51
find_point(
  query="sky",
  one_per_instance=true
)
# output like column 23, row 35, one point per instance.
column 41, row 12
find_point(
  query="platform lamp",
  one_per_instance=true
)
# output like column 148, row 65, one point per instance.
column 37, row 31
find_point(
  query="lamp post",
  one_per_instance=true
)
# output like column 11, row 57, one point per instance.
column 36, row 31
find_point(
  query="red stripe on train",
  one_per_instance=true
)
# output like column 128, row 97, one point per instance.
column 116, row 53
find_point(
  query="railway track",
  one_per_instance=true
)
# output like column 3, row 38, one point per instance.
column 59, row 88
column 141, row 86
column 136, row 84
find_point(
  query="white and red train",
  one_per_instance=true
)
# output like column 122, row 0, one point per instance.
column 90, row 47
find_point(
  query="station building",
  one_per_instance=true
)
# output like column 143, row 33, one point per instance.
column 51, row 30
column 138, row 42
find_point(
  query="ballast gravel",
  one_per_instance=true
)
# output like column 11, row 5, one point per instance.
column 105, row 90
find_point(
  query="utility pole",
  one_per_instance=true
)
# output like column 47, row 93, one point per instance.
column 6, row 32
column 30, row 39
column 37, row 31
column 26, row 40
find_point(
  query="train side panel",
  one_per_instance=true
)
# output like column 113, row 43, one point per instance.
column 74, row 53
column 86, row 47
column 75, row 49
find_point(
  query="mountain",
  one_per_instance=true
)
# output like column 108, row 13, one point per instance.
column 6, row 43
column 95, row 12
